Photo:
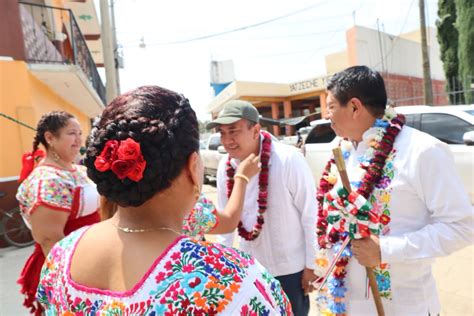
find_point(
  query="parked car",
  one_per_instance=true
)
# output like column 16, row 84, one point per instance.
column 211, row 152
column 451, row 124
column 447, row 123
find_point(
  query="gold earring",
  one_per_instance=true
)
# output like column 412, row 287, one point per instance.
column 56, row 157
column 197, row 192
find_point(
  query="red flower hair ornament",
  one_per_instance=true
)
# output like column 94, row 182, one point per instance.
column 124, row 158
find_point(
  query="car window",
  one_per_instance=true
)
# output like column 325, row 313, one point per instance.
column 412, row 120
column 445, row 127
column 214, row 142
column 320, row 134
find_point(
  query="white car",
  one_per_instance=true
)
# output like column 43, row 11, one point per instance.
column 451, row 124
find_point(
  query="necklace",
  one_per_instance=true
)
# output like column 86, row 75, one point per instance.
column 262, row 192
column 129, row 230
column 370, row 170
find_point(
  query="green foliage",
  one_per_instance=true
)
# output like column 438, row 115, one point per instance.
column 465, row 24
column 448, row 41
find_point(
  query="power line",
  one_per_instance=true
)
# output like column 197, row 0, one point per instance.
column 240, row 28
column 294, row 35
column 398, row 36
column 17, row 121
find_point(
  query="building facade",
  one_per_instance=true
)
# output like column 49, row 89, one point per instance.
column 398, row 59
column 46, row 64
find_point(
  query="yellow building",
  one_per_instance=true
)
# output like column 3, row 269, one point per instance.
column 276, row 100
column 49, row 52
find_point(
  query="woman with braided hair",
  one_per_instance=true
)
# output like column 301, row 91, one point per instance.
column 56, row 197
column 143, row 155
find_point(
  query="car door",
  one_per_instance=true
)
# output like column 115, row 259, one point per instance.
column 446, row 127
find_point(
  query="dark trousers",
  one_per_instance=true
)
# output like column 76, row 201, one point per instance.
column 291, row 284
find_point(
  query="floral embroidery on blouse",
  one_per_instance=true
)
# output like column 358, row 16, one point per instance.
column 201, row 219
column 52, row 187
column 189, row 278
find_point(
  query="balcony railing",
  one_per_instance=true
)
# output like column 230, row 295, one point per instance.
column 52, row 36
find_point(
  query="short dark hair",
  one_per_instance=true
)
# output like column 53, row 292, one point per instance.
column 50, row 122
column 362, row 83
column 165, row 126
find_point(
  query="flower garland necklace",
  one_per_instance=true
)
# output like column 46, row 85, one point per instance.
column 384, row 131
column 263, row 188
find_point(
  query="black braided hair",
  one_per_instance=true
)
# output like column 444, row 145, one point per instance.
column 166, row 127
column 50, row 122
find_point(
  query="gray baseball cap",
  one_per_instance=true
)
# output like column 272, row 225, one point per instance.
column 233, row 111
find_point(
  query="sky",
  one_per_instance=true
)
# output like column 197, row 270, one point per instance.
column 288, row 43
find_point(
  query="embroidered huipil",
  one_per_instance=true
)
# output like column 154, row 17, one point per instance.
column 286, row 242
column 188, row 278
column 59, row 189
column 69, row 191
column 431, row 216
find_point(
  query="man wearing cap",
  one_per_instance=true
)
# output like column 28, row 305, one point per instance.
column 279, row 215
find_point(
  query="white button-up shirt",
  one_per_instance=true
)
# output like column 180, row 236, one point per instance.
column 431, row 216
column 286, row 242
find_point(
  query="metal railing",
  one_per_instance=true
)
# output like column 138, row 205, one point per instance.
column 52, row 36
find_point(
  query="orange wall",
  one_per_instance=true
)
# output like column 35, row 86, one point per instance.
column 25, row 98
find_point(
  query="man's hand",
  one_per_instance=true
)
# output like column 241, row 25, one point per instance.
column 307, row 280
column 367, row 251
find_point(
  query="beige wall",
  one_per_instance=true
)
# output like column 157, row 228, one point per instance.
column 25, row 98
column 336, row 62
column 402, row 55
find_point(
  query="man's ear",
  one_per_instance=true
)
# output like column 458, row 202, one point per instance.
column 356, row 107
column 257, row 127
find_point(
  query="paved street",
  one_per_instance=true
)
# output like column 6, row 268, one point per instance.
column 454, row 275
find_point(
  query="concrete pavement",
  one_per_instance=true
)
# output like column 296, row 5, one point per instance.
column 454, row 277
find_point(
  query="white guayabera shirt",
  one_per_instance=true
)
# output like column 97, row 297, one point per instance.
column 286, row 243
column 431, row 216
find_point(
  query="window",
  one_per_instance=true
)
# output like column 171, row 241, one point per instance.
column 470, row 112
column 412, row 120
column 214, row 142
column 320, row 134
column 445, row 127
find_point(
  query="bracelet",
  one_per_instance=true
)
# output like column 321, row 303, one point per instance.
column 241, row 176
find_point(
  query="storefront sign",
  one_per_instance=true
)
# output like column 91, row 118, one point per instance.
column 310, row 84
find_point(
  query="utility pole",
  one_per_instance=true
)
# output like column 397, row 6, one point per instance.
column 381, row 49
column 108, row 51
column 428, row 91
column 114, row 42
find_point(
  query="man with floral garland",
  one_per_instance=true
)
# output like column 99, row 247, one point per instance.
column 406, row 208
column 279, row 214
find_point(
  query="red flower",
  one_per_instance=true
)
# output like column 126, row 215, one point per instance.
column 122, row 168
column 103, row 162
column 129, row 150
column 125, row 159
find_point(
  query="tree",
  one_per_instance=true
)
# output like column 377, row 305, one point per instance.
column 465, row 24
column 448, row 42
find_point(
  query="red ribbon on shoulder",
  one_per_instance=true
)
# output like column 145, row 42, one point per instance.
column 28, row 161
